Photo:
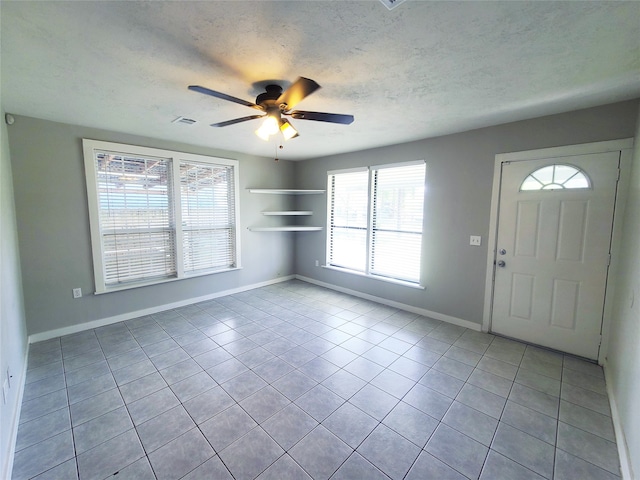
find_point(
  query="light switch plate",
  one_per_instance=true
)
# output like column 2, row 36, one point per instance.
column 475, row 240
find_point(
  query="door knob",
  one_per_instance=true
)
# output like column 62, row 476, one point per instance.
column 501, row 263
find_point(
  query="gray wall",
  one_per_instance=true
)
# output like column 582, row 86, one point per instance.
column 457, row 203
column 623, row 358
column 53, row 227
column 55, row 251
column 13, row 336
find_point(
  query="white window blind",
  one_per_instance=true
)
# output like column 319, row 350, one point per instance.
column 135, row 217
column 348, row 220
column 157, row 215
column 375, row 221
column 208, row 222
column 396, row 234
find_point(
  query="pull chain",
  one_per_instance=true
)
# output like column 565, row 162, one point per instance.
column 276, row 156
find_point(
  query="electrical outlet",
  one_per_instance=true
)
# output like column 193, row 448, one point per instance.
column 77, row 292
column 475, row 240
column 317, row 263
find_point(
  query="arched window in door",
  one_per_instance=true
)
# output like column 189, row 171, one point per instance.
column 556, row 177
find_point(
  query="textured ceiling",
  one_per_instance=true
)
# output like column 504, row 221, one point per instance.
column 420, row 70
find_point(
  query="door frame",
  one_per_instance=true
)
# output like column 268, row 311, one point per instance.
column 625, row 147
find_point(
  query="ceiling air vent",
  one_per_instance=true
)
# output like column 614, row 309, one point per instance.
column 391, row 4
column 184, row 120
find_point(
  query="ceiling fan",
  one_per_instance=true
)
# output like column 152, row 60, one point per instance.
column 275, row 104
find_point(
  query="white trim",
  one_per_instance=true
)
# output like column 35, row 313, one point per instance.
column 13, row 436
column 237, row 218
column 177, row 230
column 39, row 337
column 402, row 306
column 568, row 150
column 127, row 149
column 491, row 246
column 395, row 281
column 621, row 440
column 347, row 170
column 148, row 283
column 396, row 165
column 88, row 147
column 554, row 152
column 626, row 158
column 327, row 243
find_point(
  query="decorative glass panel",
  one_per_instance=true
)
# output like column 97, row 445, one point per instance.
column 555, row 177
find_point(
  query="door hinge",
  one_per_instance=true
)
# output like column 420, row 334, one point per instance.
column 609, row 261
column 618, row 175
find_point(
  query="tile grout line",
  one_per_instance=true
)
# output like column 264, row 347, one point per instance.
column 368, row 383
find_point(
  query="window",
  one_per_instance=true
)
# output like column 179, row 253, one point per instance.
column 375, row 220
column 555, row 177
column 158, row 215
column 349, row 196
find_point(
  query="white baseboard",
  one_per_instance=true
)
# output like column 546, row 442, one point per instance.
column 621, row 441
column 59, row 332
column 402, row 306
column 7, row 467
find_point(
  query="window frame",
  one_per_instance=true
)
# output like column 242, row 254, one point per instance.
column 367, row 272
column 175, row 158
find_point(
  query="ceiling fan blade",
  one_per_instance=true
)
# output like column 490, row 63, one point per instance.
column 298, row 90
column 323, row 117
column 223, row 96
column 236, row 120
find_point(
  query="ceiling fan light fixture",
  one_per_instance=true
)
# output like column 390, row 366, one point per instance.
column 288, row 132
column 275, row 103
column 262, row 134
column 269, row 127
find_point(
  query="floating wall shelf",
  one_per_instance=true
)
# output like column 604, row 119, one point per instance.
column 286, row 213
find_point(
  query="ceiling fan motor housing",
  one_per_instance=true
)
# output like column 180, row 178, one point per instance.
column 268, row 98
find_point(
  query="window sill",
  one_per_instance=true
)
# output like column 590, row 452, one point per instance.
column 376, row 277
column 130, row 286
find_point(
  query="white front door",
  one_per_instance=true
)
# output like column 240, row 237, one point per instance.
column 555, row 223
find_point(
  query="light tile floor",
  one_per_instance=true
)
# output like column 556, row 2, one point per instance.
column 294, row 381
